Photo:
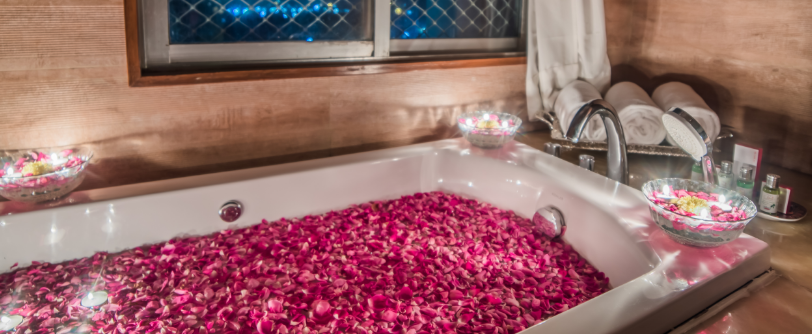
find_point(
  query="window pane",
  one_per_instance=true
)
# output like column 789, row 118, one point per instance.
column 455, row 18
column 227, row 21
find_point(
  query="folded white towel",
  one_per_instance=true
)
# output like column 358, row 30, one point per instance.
column 640, row 116
column 680, row 95
column 571, row 98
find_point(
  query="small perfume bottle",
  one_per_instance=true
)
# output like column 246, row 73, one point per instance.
column 770, row 194
column 726, row 175
column 744, row 184
column 696, row 172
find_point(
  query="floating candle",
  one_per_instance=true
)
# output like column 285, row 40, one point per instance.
column 57, row 161
column 666, row 194
column 10, row 173
column 9, row 322
column 721, row 204
column 94, row 298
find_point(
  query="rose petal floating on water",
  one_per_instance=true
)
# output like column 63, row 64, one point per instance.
column 425, row 263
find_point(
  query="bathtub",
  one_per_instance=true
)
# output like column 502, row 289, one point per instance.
column 657, row 283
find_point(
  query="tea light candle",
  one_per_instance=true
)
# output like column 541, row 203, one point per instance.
column 721, row 204
column 9, row 322
column 10, row 173
column 666, row 194
column 94, row 299
column 57, row 161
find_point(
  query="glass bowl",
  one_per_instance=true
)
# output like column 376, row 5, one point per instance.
column 59, row 173
column 488, row 129
column 696, row 230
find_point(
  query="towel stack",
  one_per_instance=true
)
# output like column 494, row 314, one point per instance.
column 640, row 117
column 571, row 98
column 677, row 94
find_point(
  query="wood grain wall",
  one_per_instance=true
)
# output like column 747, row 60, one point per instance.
column 751, row 60
column 63, row 81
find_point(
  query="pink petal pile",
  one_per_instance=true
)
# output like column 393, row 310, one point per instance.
column 717, row 214
column 426, row 263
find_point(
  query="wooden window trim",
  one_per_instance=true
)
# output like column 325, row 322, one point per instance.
column 137, row 78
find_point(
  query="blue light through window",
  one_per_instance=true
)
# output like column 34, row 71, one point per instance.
column 228, row 21
column 455, row 19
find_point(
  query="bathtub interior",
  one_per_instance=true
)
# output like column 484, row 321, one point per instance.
column 71, row 232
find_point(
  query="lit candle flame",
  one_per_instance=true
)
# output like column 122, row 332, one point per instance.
column 469, row 122
column 53, row 156
column 666, row 191
column 704, row 213
column 4, row 319
column 10, row 171
column 504, row 124
column 89, row 295
column 486, row 117
column 721, row 198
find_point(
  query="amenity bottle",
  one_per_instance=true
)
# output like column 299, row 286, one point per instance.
column 744, row 185
column 770, row 193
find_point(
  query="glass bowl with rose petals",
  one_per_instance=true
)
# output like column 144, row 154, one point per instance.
column 698, row 213
column 488, row 129
column 39, row 176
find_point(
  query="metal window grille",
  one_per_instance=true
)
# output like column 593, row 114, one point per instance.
column 455, row 19
column 229, row 21
column 188, row 32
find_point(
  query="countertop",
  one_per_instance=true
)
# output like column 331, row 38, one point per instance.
column 785, row 305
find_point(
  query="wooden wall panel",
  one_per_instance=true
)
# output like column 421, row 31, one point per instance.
column 63, row 81
column 751, row 60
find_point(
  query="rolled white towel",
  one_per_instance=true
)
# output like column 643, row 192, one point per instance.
column 680, row 95
column 640, row 117
column 571, row 98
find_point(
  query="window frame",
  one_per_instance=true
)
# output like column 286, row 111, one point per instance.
column 148, row 57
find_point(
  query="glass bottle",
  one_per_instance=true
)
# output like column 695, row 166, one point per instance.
column 770, row 193
column 744, row 184
column 696, row 172
column 726, row 175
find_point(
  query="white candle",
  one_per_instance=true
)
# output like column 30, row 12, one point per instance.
column 94, row 298
column 56, row 160
column 10, row 173
column 704, row 213
column 9, row 322
column 666, row 193
column 721, row 204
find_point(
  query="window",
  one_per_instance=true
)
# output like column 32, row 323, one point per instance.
column 187, row 33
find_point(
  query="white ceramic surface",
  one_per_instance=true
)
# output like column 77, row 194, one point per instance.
column 657, row 282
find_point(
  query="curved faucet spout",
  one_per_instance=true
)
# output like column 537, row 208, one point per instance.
column 618, row 166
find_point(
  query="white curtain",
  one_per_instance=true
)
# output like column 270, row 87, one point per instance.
column 566, row 40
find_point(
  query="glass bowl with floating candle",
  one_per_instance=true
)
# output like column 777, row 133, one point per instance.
column 697, row 213
column 488, row 129
column 39, row 176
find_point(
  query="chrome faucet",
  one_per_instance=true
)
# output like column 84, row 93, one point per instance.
column 618, row 166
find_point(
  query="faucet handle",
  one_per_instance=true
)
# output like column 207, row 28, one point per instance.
column 553, row 149
column 587, row 161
